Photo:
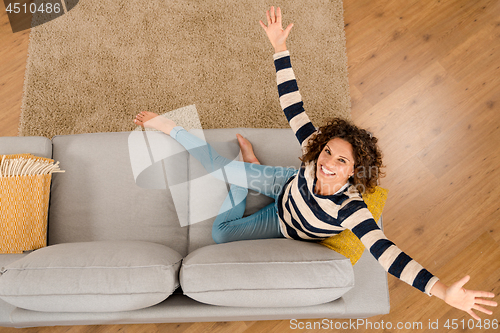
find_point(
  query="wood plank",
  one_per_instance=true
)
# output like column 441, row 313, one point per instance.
column 447, row 23
column 472, row 258
column 465, row 139
column 13, row 55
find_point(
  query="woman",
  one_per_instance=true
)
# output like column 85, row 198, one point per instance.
column 323, row 197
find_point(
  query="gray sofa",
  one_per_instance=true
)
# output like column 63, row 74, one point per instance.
column 130, row 242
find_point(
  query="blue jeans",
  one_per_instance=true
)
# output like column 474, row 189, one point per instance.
column 230, row 225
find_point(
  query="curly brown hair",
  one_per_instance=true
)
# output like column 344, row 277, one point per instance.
column 367, row 154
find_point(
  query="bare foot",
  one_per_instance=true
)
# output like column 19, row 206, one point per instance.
column 152, row 120
column 247, row 150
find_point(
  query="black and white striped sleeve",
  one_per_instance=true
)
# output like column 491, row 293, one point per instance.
column 290, row 98
column 359, row 220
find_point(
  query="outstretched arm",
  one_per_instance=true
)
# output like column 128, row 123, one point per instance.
column 290, row 98
column 405, row 268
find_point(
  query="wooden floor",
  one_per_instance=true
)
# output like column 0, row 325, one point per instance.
column 425, row 78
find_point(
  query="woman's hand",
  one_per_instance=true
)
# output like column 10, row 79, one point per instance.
column 277, row 36
column 463, row 299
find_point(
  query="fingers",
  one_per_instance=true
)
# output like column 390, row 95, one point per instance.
column 272, row 16
column 460, row 283
column 485, row 301
column 480, row 308
column 263, row 25
column 287, row 30
column 478, row 300
column 478, row 293
column 275, row 17
column 473, row 315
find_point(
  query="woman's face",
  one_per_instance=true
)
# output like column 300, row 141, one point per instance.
column 334, row 166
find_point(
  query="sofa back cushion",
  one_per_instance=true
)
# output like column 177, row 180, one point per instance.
column 97, row 198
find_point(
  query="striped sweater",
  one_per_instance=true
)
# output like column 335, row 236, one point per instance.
column 305, row 215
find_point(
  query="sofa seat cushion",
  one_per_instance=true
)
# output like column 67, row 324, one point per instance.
column 105, row 276
column 266, row 273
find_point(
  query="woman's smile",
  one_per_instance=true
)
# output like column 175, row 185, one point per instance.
column 327, row 172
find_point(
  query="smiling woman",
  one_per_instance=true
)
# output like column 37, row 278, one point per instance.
column 307, row 205
column 355, row 152
column 306, row 216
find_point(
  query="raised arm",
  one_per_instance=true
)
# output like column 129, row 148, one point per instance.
column 290, row 98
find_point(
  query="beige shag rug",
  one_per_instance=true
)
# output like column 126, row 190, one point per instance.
column 95, row 67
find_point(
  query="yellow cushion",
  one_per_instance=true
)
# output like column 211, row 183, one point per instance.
column 346, row 243
column 24, row 202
